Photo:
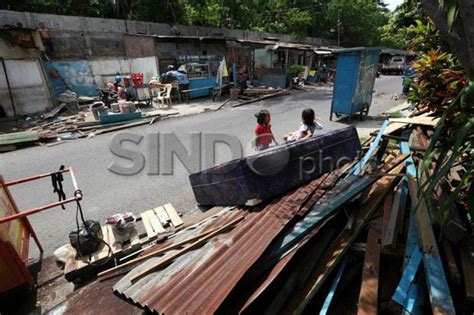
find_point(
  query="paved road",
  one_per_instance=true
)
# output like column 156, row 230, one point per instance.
column 106, row 193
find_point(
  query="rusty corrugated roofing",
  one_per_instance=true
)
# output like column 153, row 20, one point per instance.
column 199, row 281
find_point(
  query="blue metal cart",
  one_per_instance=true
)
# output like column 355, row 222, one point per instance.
column 354, row 84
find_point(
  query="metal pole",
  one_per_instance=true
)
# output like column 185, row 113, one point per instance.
column 27, row 179
column 36, row 210
column 9, row 87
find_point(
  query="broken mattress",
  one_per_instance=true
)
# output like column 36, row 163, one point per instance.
column 269, row 173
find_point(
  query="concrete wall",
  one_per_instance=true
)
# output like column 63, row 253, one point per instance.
column 88, row 52
column 84, row 76
column 105, row 69
column 81, row 36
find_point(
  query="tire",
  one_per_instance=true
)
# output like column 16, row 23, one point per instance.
column 364, row 112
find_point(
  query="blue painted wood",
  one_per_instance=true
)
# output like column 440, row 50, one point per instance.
column 342, row 192
column 332, row 290
column 408, row 276
column 436, row 281
column 357, row 169
column 112, row 118
column 196, row 83
column 75, row 75
column 414, row 301
column 438, row 288
column 410, row 165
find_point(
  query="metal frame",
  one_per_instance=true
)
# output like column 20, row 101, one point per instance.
column 16, row 259
column 23, row 214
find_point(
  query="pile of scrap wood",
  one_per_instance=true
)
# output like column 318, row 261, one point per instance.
column 357, row 239
column 252, row 95
column 58, row 129
column 149, row 227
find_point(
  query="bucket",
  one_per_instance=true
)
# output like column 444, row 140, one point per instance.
column 102, row 111
column 124, row 108
column 115, row 107
column 132, row 106
column 98, row 108
column 234, row 94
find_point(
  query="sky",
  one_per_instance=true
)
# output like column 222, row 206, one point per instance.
column 392, row 4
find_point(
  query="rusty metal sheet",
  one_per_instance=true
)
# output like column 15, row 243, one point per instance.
column 199, row 281
column 98, row 298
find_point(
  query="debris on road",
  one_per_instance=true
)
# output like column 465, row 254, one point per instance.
column 292, row 253
column 358, row 238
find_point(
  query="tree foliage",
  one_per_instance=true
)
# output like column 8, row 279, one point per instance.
column 360, row 22
column 400, row 29
column 448, row 90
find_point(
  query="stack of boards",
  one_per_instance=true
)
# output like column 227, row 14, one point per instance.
column 155, row 221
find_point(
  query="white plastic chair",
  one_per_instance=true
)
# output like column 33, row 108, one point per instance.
column 164, row 96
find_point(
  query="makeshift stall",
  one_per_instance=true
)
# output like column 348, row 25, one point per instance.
column 203, row 79
column 356, row 69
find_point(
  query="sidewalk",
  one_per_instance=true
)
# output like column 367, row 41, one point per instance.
column 373, row 123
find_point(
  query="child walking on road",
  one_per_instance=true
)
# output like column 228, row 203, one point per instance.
column 263, row 132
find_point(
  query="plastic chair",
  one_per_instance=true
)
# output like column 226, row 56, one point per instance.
column 164, row 96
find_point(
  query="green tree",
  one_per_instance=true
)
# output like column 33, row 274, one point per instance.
column 453, row 140
column 398, row 32
column 360, row 21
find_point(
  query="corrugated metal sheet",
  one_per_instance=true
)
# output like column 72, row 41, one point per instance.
column 98, row 298
column 199, row 281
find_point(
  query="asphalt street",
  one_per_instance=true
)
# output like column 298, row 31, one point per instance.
column 106, row 193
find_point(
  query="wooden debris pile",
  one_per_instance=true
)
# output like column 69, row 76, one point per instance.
column 360, row 239
column 252, row 95
column 152, row 226
column 57, row 129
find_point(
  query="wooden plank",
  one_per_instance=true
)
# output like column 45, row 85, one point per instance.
column 332, row 290
column 162, row 216
column 394, row 126
column 116, row 246
column 408, row 276
column 334, row 254
column 414, row 302
column 373, row 146
column 186, row 249
column 399, row 227
column 450, row 262
column 167, row 248
column 146, row 222
column 173, row 215
column 427, row 121
column 155, row 222
column 71, row 263
column 103, row 251
column 134, row 239
column 440, row 297
column 389, row 237
column 387, row 209
column 467, row 263
column 368, row 295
